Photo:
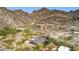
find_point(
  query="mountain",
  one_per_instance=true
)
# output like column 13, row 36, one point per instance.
column 55, row 20
column 13, row 18
column 44, row 18
column 58, row 24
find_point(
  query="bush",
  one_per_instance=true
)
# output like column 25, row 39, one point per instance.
column 50, row 40
column 7, row 30
column 37, row 47
column 65, row 41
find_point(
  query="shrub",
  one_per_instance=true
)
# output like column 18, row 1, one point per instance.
column 50, row 40
column 37, row 47
column 7, row 30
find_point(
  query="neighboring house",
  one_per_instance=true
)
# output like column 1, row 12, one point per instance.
column 37, row 40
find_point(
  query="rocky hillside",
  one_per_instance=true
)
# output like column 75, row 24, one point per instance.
column 16, row 18
column 18, row 27
column 43, row 19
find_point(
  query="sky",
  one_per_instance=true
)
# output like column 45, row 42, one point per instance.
column 31, row 9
